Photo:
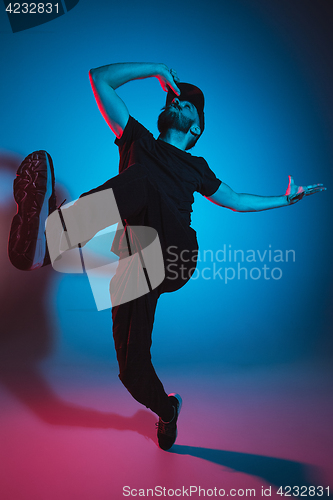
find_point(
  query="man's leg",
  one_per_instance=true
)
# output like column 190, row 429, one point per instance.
column 34, row 193
column 132, row 333
column 132, row 329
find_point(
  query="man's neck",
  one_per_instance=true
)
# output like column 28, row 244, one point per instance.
column 175, row 138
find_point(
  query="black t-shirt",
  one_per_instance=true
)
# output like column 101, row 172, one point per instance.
column 174, row 172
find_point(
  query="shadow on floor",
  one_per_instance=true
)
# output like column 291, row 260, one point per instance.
column 31, row 389
column 274, row 471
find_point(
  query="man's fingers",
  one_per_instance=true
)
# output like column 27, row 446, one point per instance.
column 173, row 73
column 314, row 190
column 175, row 89
column 320, row 187
column 171, row 84
column 312, row 186
column 175, row 80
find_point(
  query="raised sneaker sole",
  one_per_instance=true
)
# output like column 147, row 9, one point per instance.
column 35, row 198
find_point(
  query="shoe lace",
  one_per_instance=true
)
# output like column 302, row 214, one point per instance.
column 165, row 428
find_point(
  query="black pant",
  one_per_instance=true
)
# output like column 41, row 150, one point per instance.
column 140, row 203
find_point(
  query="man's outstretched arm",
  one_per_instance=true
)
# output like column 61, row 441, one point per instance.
column 106, row 79
column 242, row 202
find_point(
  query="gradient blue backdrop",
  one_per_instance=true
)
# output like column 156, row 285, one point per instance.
column 266, row 71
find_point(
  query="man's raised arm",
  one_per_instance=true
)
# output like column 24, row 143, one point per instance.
column 242, row 202
column 106, row 79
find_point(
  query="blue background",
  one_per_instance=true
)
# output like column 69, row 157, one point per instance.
column 266, row 71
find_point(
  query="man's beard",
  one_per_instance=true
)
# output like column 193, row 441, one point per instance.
column 171, row 118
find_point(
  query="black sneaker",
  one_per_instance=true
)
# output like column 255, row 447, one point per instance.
column 35, row 197
column 167, row 431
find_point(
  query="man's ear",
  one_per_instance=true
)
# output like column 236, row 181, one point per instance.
column 195, row 130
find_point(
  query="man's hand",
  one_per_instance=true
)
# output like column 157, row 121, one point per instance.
column 168, row 78
column 106, row 79
column 295, row 193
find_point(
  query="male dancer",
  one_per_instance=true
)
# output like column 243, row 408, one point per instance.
column 154, row 188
